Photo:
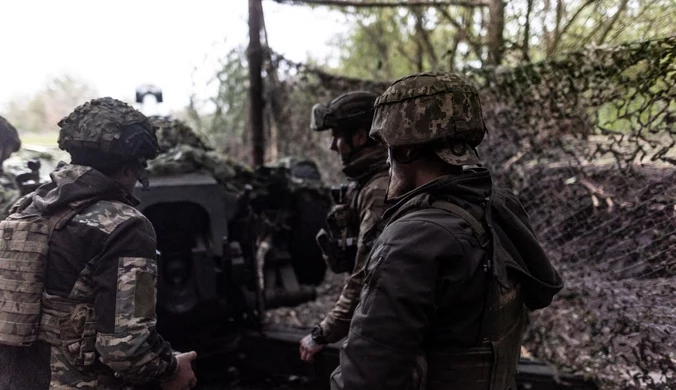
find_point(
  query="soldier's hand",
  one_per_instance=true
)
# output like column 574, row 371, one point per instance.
column 309, row 348
column 185, row 378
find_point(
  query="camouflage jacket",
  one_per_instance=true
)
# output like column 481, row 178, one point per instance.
column 369, row 180
column 98, row 311
column 8, row 195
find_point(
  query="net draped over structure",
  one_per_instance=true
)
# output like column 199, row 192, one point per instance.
column 587, row 141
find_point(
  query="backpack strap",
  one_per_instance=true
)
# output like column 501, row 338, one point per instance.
column 476, row 226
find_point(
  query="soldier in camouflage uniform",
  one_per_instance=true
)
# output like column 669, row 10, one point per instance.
column 359, row 207
column 97, row 317
column 457, row 266
column 9, row 143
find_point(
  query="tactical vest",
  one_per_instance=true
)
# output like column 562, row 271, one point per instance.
column 339, row 242
column 27, row 312
column 491, row 364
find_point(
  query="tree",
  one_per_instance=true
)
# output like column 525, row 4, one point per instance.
column 41, row 111
column 387, row 42
column 223, row 117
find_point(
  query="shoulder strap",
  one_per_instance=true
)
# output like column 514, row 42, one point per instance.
column 476, row 226
column 57, row 220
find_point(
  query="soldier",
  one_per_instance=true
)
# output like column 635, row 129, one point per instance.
column 93, row 323
column 449, row 280
column 9, row 143
column 346, row 245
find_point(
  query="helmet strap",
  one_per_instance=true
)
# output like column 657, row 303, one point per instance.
column 142, row 177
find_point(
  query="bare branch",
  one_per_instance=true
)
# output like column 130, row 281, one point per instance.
column 405, row 55
column 373, row 4
column 470, row 38
column 525, row 47
column 609, row 25
column 559, row 16
column 557, row 37
column 423, row 35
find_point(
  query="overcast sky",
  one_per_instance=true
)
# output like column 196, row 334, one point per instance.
column 118, row 45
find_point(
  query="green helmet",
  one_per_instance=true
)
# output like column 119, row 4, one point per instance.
column 9, row 135
column 173, row 132
column 110, row 127
column 351, row 109
column 431, row 107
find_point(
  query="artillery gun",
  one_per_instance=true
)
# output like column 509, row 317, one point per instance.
column 28, row 182
column 224, row 257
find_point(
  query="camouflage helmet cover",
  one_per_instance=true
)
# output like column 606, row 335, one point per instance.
column 172, row 132
column 9, row 135
column 431, row 107
column 110, row 126
column 343, row 111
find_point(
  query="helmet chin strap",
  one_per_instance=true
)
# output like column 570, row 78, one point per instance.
column 142, row 176
column 145, row 182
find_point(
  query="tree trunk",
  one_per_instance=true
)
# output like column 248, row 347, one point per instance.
column 496, row 27
column 255, row 59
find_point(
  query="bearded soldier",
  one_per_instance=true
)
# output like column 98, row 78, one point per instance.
column 451, row 278
column 9, row 143
column 345, row 243
column 77, row 302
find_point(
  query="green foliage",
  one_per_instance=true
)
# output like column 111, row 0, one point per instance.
column 385, row 43
column 225, row 123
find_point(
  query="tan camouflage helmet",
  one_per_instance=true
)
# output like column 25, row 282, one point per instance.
column 172, row 132
column 9, row 135
column 422, row 108
column 111, row 127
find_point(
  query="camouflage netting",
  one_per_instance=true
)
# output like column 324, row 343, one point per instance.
column 184, row 151
column 590, row 152
column 586, row 140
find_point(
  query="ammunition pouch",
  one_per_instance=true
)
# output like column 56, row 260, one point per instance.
column 71, row 326
column 339, row 256
column 338, row 242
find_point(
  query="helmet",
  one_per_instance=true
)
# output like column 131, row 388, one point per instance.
column 173, row 132
column 110, row 127
column 9, row 135
column 430, row 107
column 350, row 109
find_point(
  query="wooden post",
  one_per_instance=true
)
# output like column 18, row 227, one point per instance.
column 255, row 59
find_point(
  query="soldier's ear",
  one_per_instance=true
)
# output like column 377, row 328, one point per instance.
column 360, row 137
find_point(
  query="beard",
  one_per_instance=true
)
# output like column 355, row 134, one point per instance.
column 397, row 186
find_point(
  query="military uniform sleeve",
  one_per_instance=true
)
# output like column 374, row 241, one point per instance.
column 371, row 206
column 125, row 279
column 397, row 305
